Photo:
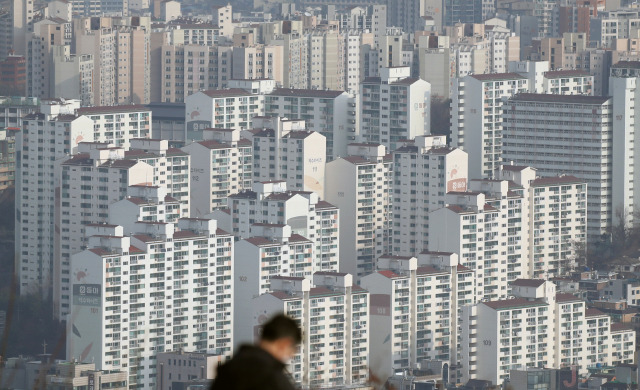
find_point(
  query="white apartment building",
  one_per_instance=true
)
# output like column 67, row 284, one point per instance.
column 221, row 166
column 354, row 58
column 171, row 167
column 557, row 223
column 226, row 109
column 89, row 182
column 13, row 109
column 568, row 82
column 271, row 250
column 534, row 71
column 413, row 315
column 333, row 114
column 562, row 134
column 424, row 171
column 360, row 185
column 159, row 287
column 538, row 327
column 484, row 226
column 189, row 68
column 394, row 107
column 284, row 150
column 334, row 316
column 271, row 203
column 47, row 136
column 623, row 87
column 148, row 204
column 476, row 118
column 118, row 124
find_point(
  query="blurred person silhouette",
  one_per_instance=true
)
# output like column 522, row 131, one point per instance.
column 262, row 366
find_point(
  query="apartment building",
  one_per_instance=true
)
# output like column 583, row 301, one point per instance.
column 295, row 58
column 99, row 42
column 12, row 109
column 436, row 64
column 538, row 327
column 222, row 165
column 272, row 250
column 333, row 114
column 230, row 108
column 117, row 125
column 563, row 134
column 416, row 304
column 335, row 317
column 360, row 185
column 57, row 127
column 394, row 107
column 284, row 150
column 623, row 88
column 188, row 68
column 271, row 203
column 8, row 157
column 89, row 182
column 476, row 118
column 475, row 224
column 38, row 55
column 257, row 62
column 326, row 60
column 167, row 286
column 556, row 209
column 424, row 171
column 71, row 75
column 171, row 168
column 568, row 82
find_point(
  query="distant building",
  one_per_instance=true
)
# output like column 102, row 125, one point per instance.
column 222, row 165
column 167, row 121
column 360, row 185
column 424, row 171
column 13, row 74
column 415, row 306
column 476, row 118
column 527, row 139
column 394, row 107
column 284, row 150
column 185, row 367
column 334, row 316
column 45, row 373
column 57, row 126
column 331, row 113
column 120, row 286
column 516, row 333
column 8, row 157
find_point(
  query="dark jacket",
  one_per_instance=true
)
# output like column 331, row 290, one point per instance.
column 252, row 368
